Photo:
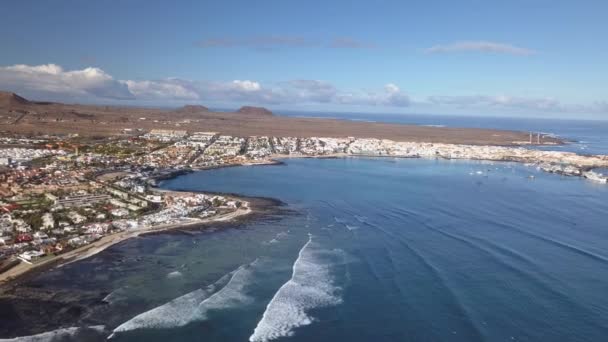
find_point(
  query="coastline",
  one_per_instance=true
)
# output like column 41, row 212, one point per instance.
column 16, row 289
column 64, row 307
column 83, row 252
column 107, row 241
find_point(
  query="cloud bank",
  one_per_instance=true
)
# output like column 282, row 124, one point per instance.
column 51, row 78
column 91, row 84
column 480, row 46
column 540, row 104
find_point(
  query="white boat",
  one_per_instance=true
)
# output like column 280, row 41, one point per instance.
column 596, row 177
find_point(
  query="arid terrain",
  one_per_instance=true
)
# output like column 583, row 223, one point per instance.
column 22, row 116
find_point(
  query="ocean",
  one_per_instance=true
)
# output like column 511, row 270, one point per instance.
column 366, row 249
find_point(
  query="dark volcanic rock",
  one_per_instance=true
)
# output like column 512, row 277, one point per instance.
column 250, row 110
column 26, row 311
column 192, row 109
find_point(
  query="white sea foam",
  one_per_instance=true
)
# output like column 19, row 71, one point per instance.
column 312, row 285
column 195, row 305
column 349, row 227
column 278, row 237
column 116, row 295
column 64, row 334
column 361, row 219
column 174, row 274
column 230, row 296
column 339, row 220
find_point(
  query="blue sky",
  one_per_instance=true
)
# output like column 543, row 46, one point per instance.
column 524, row 58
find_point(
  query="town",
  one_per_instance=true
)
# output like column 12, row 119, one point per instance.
column 62, row 193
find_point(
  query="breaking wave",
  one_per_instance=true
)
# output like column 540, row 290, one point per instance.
column 195, row 305
column 278, row 237
column 174, row 274
column 117, row 295
column 312, row 285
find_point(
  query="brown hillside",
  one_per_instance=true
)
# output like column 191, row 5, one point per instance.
column 8, row 99
column 250, row 110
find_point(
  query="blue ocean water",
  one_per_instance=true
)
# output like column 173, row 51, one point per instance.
column 587, row 136
column 371, row 249
column 375, row 250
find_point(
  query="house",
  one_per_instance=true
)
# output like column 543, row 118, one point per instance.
column 48, row 222
column 40, row 235
column 76, row 218
column 154, row 198
column 120, row 212
column 23, row 238
column 31, row 255
column 76, row 241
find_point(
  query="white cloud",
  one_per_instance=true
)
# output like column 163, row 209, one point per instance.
column 90, row 84
column 541, row 104
column 258, row 42
column 390, row 96
column 168, row 89
column 310, row 90
column 51, row 78
column 50, row 81
column 480, row 46
column 270, row 42
column 391, row 88
column 246, row 85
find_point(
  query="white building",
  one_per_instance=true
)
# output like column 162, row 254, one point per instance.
column 48, row 222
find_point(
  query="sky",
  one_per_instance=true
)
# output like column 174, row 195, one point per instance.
column 531, row 58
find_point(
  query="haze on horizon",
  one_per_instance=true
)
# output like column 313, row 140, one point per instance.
column 517, row 58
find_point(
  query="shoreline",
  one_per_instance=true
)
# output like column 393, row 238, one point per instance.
column 105, row 242
column 22, row 269
column 16, row 288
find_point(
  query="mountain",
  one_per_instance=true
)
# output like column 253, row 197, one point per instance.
column 8, row 99
column 192, row 109
column 250, row 110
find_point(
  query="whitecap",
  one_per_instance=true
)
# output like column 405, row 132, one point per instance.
column 278, row 237
column 195, row 305
column 174, row 274
column 349, row 227
column 115, row 296
column 361, row 218
column 311, row 286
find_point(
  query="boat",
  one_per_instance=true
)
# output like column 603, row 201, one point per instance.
column 596, row 177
